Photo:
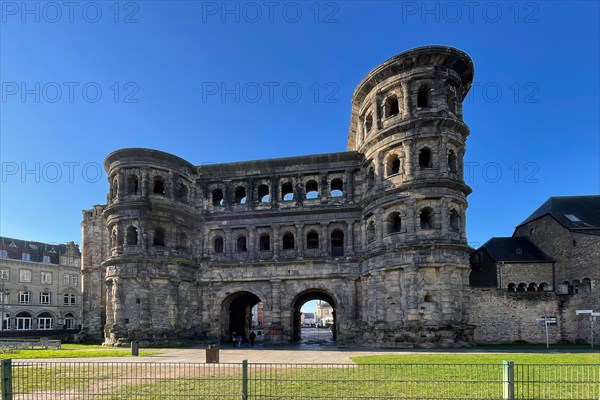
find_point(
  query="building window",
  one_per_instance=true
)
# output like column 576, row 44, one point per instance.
column 370, row 232
column 69, row 299
column 3, row 254
column 73, row 280
column 454, row 221
column 452, row 162
column 264, row 243
column 23, row 321
column 25, row 275
column 184, row 243
column 217, row 197
column 394, row 223
column 586, row 286
column 426, row 218
column 312, row 189
column 66, row 279
column 46, row 259
column 423, row 97
column 393, row 165
column 288, row 241
column 287, row 191
column 69, row 321
column 425, row 158
column 312, row 240
column 337, row 243
column 218, row 244
column 240, row 195
column 4, row 274
column 132, row 184
column 6, row 322
column 183, row 192
column 24, row 297
column 263, row 194
column 392, row 107
column 159, row 237
column 337, row 187
column 45, row 321
column 159, row 186
column 4, row 297
column 240, row 246
column 131, row 236
column 45, row 298
column 368, row 123
column 25, row 257
column 46, row 278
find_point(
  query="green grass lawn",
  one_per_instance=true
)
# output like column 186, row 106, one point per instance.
column 482, row 358
column 75, row 351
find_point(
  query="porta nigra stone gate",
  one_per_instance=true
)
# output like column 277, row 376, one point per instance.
column 184, row 252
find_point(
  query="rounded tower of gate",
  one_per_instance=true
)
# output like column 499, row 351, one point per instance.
column 407, row 120
column 150, row 220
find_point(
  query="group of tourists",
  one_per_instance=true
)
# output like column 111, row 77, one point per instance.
column 238, row 340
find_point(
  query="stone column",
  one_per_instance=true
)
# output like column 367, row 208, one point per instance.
column 363, row 233
column 252, row 242
column 349, row 192
column 145, row 184
column 443, row 157
column 228, row 244
column 411, row 219
column 379, row 227
column 379, row 170
column 276, row 245
column 324, row 188
column 323, row 240
column 171, row 186
column 349, row 237
column 120, row 187
column 445, row 219
column 409, row 149
column 276, row 323
column 300, row 239
column 274, row 192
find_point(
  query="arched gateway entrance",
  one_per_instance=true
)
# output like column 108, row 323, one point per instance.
column 315, row 294
column 236, row 315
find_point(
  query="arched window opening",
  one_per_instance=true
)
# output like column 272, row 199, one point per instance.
column 575, row 286
column 394, row 223
column 23, row 321
column 429, row 298
column 368, row 123
column 240, row 195
column 451, row 100
column 532, row 287
column 454, row 220
column 114, row 188
column 288, row 241
column 393, row 165
column 564, row 288
column 586, row 286
column 425, row 158
column 159, row 186
column 370, row 177
column 69, row 321
column 512, row 287
column 264, row 243
column 371, row 232
column 312, row 190
column 184, row 242
column 263, row 194
column 217, row 197
column 426, row 218
column 218, row 244
column 423, row 97
column 45, row 321
column 132, row 184
column 337, row 243
column 522, row 287
column 158, row 239
column 452, row 162
column 337, row 187
column 183, row 192
column 542, row 287
column 240, row 245
column 312, row 240
column 287, row 191
column 392, row 106
column 131, row 238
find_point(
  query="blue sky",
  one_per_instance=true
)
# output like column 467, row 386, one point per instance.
column 220, row 82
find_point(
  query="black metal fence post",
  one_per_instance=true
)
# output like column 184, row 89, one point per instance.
column 244, row 379
column 6, row 379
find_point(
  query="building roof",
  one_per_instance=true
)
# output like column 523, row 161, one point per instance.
column 577, row 213
column 36, row 250
column 515, row 249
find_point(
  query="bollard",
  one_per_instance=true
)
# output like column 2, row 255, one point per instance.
column 135, row 350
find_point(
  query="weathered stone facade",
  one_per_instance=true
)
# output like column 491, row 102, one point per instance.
column 182, row 251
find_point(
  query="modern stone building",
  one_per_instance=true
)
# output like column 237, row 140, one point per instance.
column 40, row 293
column 181, row 251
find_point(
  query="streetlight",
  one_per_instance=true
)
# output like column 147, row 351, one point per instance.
column 593, row 316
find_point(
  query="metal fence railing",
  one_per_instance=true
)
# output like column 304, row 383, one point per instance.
column 23, row 379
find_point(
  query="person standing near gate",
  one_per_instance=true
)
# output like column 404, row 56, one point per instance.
column 252, row 338
column 240, row 340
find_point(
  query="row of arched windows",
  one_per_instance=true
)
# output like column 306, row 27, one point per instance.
column 391, row 104
column 288, row 242
column 158, row 237
column 395, row 162
column 24, row 321
column 426, row 220
column 311, row 191
column 132, row 187
column 524, row 287
column 576, row 286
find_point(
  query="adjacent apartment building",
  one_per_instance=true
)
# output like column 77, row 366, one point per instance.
column 40, row 288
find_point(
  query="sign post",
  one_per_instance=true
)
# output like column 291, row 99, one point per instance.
column 593, row 316
column 547, row 320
